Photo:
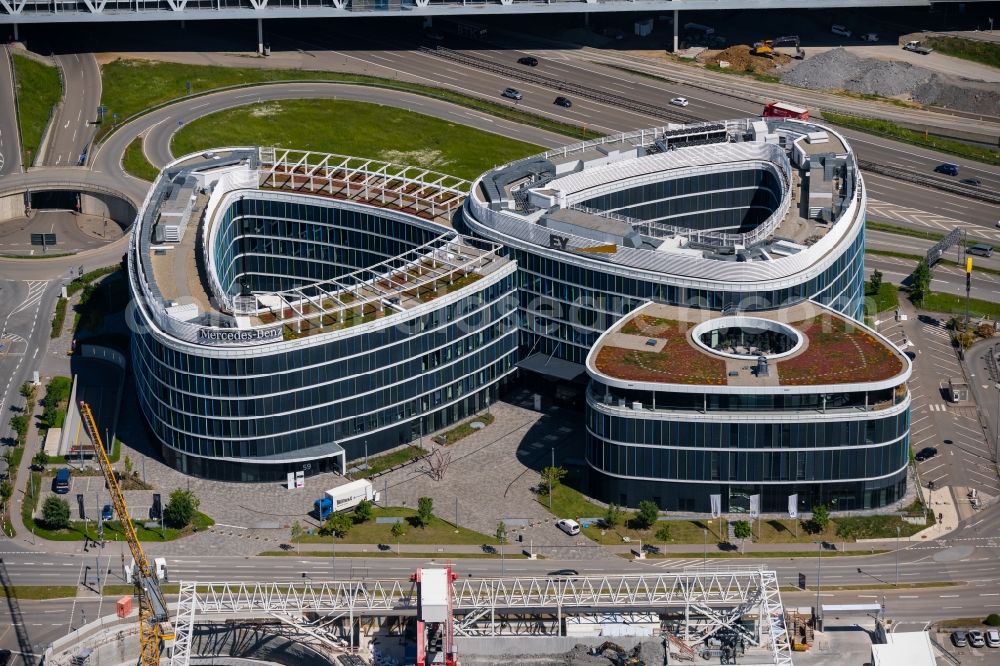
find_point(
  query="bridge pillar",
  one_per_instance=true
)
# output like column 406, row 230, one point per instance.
column 16, row 36
column 677, row 21
column 260, row 36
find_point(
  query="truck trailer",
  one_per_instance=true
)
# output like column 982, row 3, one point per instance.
column 785, row 110
column 345, row 497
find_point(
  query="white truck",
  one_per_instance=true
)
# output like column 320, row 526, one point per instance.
column 916, row 47
column 345, row 497
column 159, row 568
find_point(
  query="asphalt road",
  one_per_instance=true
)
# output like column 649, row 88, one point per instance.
column 74, row 127
column 10, row 146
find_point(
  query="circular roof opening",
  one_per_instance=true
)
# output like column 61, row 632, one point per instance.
column 747, row 338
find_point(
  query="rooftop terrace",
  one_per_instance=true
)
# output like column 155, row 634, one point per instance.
column 805, row 345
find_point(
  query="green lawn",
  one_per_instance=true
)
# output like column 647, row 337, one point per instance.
column 38, row 91
column 354, row 128
column 378, row 464
column 463, row 430
column 59, row 318
column 132, row 86
column 568, row 502
column 886, row 298
column 437, row 532
column 135, row 163
column 955, row 305
column 36, row 592
column 986, row 53
column 890, row 129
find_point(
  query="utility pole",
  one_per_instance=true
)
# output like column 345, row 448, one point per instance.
column 704, row 562
column 968, row 287
column 819, row 572
column 550, row 477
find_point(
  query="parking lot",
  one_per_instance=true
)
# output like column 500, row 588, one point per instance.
column 962, row 461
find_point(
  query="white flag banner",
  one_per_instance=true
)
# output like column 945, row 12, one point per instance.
column 793, row 506
column 755, row 506
column 716, row 505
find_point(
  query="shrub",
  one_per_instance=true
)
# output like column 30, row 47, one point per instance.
column 364, row 511
column 425, row 511
column 55, row 513
column 647, row 515
column 663, row 533
column 181, row 508
column 338, row 524
column 614, row 516
column 992, row 620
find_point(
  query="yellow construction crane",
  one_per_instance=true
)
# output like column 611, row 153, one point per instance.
column 154, row 624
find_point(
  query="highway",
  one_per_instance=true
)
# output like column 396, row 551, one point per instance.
column 10, row 145
column 74, row 127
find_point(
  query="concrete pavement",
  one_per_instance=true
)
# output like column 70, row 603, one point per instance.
column 10, row 140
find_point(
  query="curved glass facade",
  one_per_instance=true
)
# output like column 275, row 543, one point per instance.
column 256, row 413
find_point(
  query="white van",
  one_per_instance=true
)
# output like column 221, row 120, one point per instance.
column 570, row 527
column 838, row 29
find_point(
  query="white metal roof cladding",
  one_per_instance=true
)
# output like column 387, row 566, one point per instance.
column 693, row 271
column 51, row 11
column 621, row 172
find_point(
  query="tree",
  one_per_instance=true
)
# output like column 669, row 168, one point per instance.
column 398, row 530
column 846, row 531
column 181, row 508
column 338, row 524
column 992, row 620
column 6, row 490
column 296, row 534
column 742, row 531
column 55, row 513
column 19, row 424
column 364, row 511
column 551, row 477
column 614, row 516
column 663, row 532
column 647, row 514
column 920, row 282
column 425, row 511
column 876, row 281
column 501, row 532
column 820, row 517
column 28, row 391
column 40, row 459
column 127, row 464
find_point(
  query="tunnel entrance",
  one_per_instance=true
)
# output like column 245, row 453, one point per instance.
column 62, row 221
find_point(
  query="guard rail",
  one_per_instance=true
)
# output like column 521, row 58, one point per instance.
column 970, row 191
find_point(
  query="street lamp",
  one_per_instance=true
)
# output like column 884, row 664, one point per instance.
column 819, row 572
column 704, row 561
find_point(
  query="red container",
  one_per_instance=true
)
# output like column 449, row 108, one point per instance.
column 124, row 606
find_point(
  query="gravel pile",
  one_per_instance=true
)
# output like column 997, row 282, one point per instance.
column 838, row 69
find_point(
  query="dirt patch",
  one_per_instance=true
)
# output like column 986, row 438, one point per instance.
column 740, row 59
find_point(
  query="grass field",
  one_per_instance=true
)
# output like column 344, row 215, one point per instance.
column 135, row 162
column 886, row 298
column 892, row 130
column 570, row 503
column 986, row 53
column 437, row 532
column 354, row 128
column 955, row 305
column 132, row 86
column 38, row 90
column 36, row 592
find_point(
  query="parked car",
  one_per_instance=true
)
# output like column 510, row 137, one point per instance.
column 530, row 61
column 947, row 169
column 679, row 101
column 563, row 102
column 650, row 548
column 975, row 182
column 925, row 453
column 570, row 527
column 958, row 638
column 564, row 572
column 61, row 483
column 106, row 513
column 976, row 638
column 993, row 638
column 512, row 93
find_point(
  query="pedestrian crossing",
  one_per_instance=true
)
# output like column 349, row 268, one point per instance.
column 675, row 564
column 939, row 407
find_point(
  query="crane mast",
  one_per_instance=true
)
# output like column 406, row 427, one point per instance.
column 154, row 625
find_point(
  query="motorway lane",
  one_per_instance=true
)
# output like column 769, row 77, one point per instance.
column 945, row 279
column 74, row 127
column 10, row 146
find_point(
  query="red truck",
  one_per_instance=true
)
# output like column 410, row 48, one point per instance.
column 785, row 110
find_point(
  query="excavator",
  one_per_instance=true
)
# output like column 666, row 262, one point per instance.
column 766, row 47
column 155, row 628
column 622, row 658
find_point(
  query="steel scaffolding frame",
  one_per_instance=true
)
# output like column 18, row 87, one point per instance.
column 416, row 189
column 720, row 597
